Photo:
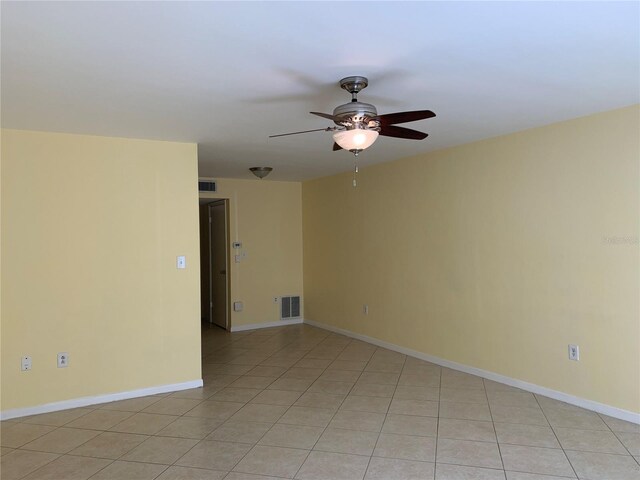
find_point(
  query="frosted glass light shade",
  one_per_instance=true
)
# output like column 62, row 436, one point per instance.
column 356, row 139
column 261, row 172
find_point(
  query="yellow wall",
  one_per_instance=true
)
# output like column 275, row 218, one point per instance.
column 496, row 254
column 91, row 228
column 266, row 217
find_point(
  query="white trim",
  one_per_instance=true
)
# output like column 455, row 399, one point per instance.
column 109, row 397
column 496, row 377
column 254, row 326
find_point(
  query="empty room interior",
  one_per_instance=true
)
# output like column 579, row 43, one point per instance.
column 320, row 240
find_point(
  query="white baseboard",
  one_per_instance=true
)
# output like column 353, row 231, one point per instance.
column 254, row 326
column 496, row 377
column 86, row 401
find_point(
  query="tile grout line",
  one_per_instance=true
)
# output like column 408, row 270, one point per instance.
column 493, row 425
column 387, row 411
column 435, row 453
column 274, row 423
column 336, row 411
column 62, row 454
column 556, row 436
column 615, row 434
column 225, row 421
column 284, row 413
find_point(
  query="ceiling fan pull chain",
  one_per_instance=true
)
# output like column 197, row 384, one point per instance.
column 355, row 171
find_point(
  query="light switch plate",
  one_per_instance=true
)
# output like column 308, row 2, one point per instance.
column 181, row 262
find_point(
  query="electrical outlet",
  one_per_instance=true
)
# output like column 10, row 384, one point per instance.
column 25, row 363
column 574, row 352
column 237, row 306
column 63, row 360
column 365, row 309
column 276, row 299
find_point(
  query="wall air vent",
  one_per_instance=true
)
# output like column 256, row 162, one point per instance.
column 206, row 186
column 289, row 307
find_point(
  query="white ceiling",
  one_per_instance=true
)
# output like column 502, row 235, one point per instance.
column 228, row 74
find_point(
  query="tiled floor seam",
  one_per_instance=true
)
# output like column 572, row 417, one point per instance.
column 435, row 453
column 274, row 423
column 615, row 434
column 404, row 361
column 30, row 473
column 493, row 424
column 557, row 439
column 334, row 414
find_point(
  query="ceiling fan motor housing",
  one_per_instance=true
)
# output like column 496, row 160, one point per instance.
column 356, row 115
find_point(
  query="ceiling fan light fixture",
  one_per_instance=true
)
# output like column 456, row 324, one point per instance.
column 261, row 172
column 356, row 139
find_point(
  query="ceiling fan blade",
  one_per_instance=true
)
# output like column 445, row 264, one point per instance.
column 404, row 117
column 336, row 147
column 328, row 129
column 323, row 115
column 401, row 132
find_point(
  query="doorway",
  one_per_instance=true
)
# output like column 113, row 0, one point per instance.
column 214, row 262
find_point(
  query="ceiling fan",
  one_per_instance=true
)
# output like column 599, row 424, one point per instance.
column 358, row 124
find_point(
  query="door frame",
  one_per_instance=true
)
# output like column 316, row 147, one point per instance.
column 225, row 202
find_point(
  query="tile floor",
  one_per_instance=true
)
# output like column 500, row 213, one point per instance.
column 300, row 402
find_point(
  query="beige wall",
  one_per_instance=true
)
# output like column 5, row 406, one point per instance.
column 495, row 254
column 91, row 228
column 266, row 217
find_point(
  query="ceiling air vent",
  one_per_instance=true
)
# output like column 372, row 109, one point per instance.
column 206, row 186
column 289, row 307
